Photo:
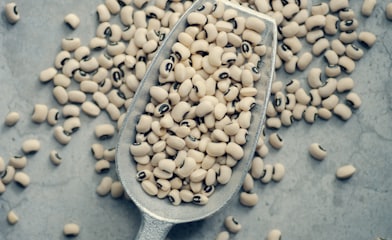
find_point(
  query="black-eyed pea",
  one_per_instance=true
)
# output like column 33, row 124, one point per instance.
column 248, row 183
column 76, row 96
column 224, row 174
column 186, row 195
column 219, row 135
column 140, row 149
column 116, row 189
column 273, row 123
column 290, row 101
column 293, row 43
column 70, row 44
column 267, row 173
column 18, row 162
column 167, row 165
column 101, row 100
column 320, row 9
column 60, row 94
column 353, row 100
column 348, row 25
column 315, row 22
column 314, row 78
column 338, row 47
column 302, row 31
column 331, row 24
column 284, row 52
column 12, row 217
column 113, row 6
column 232, row 225
column 330, row 102
column 234, row 150
column 291, row 65
column 11, row 13
column 31, row 146
column 257, row 167
column 290, row 10
column 61, row 136
column 275, row 141
column 354, row 52
column 97, row 43
column 276, row 87
column 113, row 111
column 55, row 157
column 47, row 74
column 149, row 187
column 348, row 37
column 286, row 118
column 290, row 29
column 346, row 14
column 310, row 114
column 368, row 7
column 337, row 5
column 301, row 16
column 292, row 86
column 317, row 152
column 40, row 113
column 388, row 11
column 345, row 172
column 367, row 39
column 104, row 131
column 200, row 199
column 90, row 108
column 347, row 64
column 8, row 174
column 102, row 166
column 97, row 150
column 315, row 98
column 302, row 97
column 61, row 58
column 249, row 199
column 22, row 179
column 215, row 149
column 324, row 113
column 174, row 197
column 11, row 119
column 328, row 88
column 103, row 13
column 278, row 172
column 72, row 20
column 332, row 70
column 320, row 46
column 240, row 137
column 298, row 111
column 198, row 175
column 224, row 235
column 331, row 57
column 109, row 154
column 274, row 234
column 142, row 175
column 61, row 80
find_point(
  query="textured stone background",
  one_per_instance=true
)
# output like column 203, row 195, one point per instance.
column 309, row 203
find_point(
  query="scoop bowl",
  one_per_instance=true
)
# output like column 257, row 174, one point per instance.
column 159, row 215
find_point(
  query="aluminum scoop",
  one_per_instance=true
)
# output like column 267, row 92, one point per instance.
column 159, row 215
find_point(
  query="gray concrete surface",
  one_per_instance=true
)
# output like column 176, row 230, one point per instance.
column 309, row 203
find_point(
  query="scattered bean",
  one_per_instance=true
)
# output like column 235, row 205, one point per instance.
column 22, row 179
column 71, row 229
column 12, row 217
column 11, row 13
column 345, row 172
column 317, row 152
column 11, row 119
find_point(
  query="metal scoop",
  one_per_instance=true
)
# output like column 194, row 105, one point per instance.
column 159, row 215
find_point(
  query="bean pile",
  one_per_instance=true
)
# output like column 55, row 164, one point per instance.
column 107, row 70
column 192, row 131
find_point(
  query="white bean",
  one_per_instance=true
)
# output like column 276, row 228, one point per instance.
column 71, row 229
column 11, row 13
column 345, row 172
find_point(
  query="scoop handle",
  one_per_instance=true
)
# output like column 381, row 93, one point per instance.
column 152, row 228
